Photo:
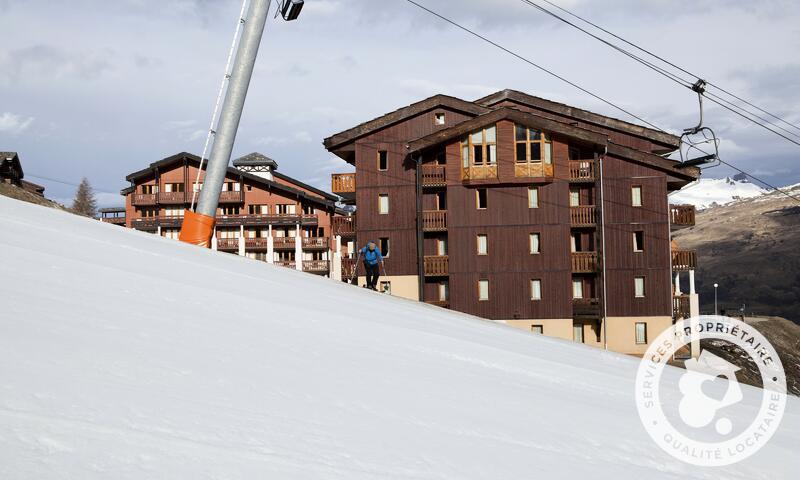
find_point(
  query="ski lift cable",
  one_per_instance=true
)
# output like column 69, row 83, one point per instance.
column 565, row 80
column 662, row 59
column 212, row 127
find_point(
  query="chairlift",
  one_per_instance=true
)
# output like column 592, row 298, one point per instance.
column 696, row 141
column 290, row 9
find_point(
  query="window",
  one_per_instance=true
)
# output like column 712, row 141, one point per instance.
column 173, row 212
column 441, row 246
column 439, row 118
column 249, row 188
column 444, row 292
column 574, row 197
column 481, row 198
column 309, row 210
column 441, row 200
column 196, row 187
column 636, row 196
column 171, row 233
column 258, row 209
column 480, row 148
column 483, row 244
column 173, row 187
column 577, row 332
column 534, row 243
column 638, row 286
column 483, row 290
column 533, row 197
column 149, row 189
column 383, row 246
column 149, row 212
column 228, row 211
column 386, row 287
column 536, row 289
column 641, row 333
column 383, row 160
column 537, row 329
column 231, row 187
column 383, row 204
column 532, row 146
column 286, row 209
column 577, row 288
column 638, row 241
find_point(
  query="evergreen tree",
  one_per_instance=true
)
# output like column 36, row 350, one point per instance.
column 84, row 202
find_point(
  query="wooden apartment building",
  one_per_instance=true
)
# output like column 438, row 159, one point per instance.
column 262, row 213
column 524, row 211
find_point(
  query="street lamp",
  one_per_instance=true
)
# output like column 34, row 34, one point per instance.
column 716, row 311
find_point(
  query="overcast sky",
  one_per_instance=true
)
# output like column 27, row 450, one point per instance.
column 102, row 88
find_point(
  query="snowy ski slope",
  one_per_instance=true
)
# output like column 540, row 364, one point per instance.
column 128, row 356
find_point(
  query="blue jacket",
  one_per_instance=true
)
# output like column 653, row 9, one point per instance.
column 371, row 257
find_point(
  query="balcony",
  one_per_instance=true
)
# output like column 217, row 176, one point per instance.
column 315, row 266
column 147, row 224
column 586, row 307
column 254, row 244
column 479, row 172
column 144, row 199
column 309, row 219
column 583, row 216
column 680, row 307
column 433, row 176
column 284, row 243
column 434, row 221
column 231, row 197
column 343, row 184
column 344, row 226
column 533, row 170
column 172, row 198
column 584, row 262
column 348, row 267
column 681, row 216
column 684, row 260
column 227, row 243
column 170, row 222
column 436, row 265
column 285, row 263
column 113, row 220
column 315, row 243
column 581, row 171
column 258, row 220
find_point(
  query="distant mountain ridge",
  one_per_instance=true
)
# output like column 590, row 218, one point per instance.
column 709, row 192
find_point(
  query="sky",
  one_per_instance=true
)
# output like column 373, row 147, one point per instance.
column 98, row 89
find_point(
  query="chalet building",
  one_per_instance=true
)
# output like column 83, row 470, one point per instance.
column 262, row 213
column 113, row 215
column 11, row 173
column 524, row 211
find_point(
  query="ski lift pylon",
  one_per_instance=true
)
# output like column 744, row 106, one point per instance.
column 696, row 140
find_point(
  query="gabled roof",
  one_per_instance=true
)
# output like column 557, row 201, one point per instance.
column 13, row 159
column 328, row 201
column 401, row 114
column 255, row 159
column 670, row 142
column 506, row 113
column 652, row 160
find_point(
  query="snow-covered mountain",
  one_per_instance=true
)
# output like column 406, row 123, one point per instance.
column 125, row 355
column 708, row 192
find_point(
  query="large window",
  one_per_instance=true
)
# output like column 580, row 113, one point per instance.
column 536, row 289
column 483, row 290
column 480, row 148
column 173, row 187
column 532, row 146
column 577, row 288
column 641, row 333
column 383, row 204
column 638, row 286
column 258, row 209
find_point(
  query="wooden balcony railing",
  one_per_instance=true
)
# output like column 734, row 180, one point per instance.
column 581, row 170
column 436, row 265
column 583, row 216
column 433, row 176
column 434, row 220
column 284, row 243
column 681, row 216
column 231, row 197
column 145, row 223
column 585, row 307
column 227, row 243
column 343, row 183
column 344, row 226
column 308, row 219
column 172, row 198
column 315, row 266
column 584, row 262
column 114, row 220
column 140, row 199
column 315, row 242
column 480, row 172
column 260, row 243
column 533, row 169
column 285, row 263
column 680, row 307
column 348, row 267
column 683, row 260
column 170, row 222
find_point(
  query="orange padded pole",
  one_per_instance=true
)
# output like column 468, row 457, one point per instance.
column 197, row 229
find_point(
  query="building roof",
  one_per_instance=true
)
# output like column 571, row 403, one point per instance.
column 668, row 141
column 12, row 158
column 255, row 159
column 329, row 199
column 112, row 210
column 401, row 114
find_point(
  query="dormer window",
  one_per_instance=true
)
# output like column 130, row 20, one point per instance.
column 439, row 118
column 480, row 148
column 533, row 152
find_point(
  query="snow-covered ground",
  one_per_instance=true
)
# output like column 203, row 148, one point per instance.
column 128, row 356
column 716, row 191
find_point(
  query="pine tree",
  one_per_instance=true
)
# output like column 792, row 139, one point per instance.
column 84, row 202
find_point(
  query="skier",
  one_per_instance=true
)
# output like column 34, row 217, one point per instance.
column 373, row 262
